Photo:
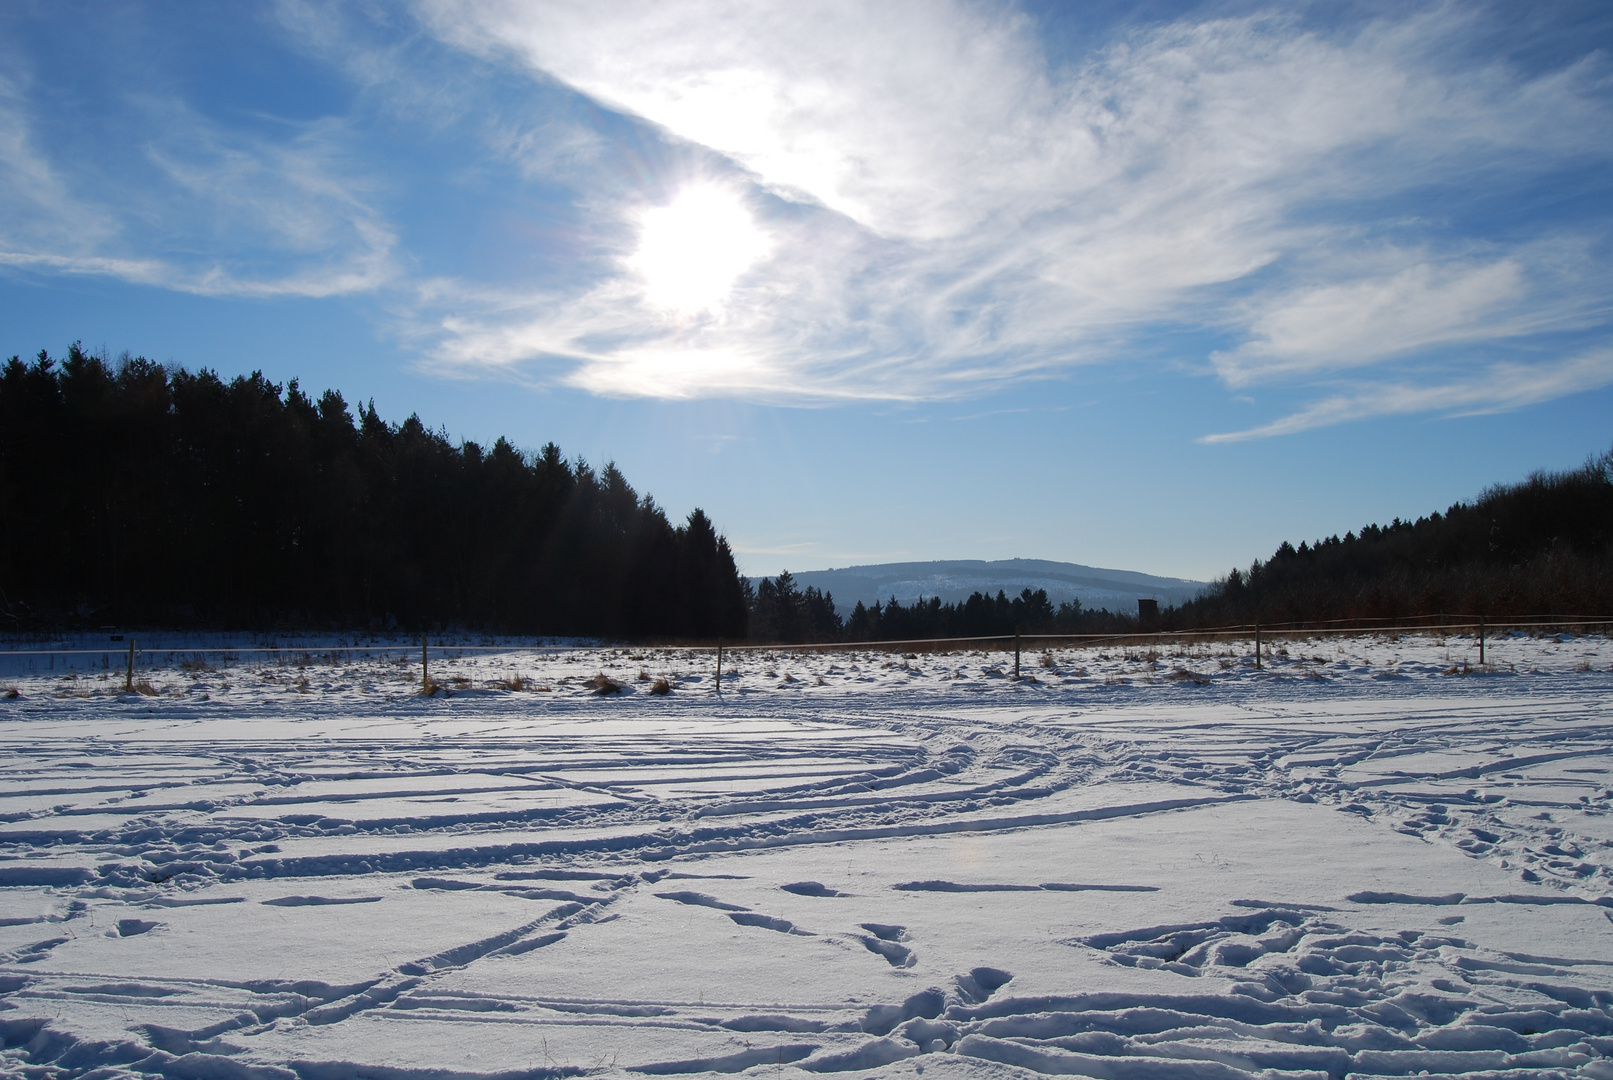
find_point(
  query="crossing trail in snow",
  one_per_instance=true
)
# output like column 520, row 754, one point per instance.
column 1369, row 858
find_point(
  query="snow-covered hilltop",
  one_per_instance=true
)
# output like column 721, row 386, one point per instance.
column 953, row 580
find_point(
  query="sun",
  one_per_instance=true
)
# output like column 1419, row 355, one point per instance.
column 693, row 249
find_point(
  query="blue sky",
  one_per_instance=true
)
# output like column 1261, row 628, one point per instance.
column 1151, row 286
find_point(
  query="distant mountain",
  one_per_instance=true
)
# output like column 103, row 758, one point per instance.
column 952, row 580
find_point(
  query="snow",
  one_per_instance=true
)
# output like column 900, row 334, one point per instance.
column 1371, row 857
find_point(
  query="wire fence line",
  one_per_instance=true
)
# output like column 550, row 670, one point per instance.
column 131, row 657
column 1289, row 630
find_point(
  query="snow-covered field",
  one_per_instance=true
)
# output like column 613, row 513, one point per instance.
column 1370, row 858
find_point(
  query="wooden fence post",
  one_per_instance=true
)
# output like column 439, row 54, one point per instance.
column 1257, row 646
column 1481, row 641
column 128, row 678
column 425, row 669
column 1016, row 654
column 719, row 665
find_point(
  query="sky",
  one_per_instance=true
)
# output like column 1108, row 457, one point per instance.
column 1150, row 286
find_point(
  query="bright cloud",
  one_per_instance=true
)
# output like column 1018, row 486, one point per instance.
column 983, row 215
column 838, row 200
column 1359, row 323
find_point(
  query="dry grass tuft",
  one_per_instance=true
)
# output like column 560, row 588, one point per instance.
column 661, row 686
column 604, row 685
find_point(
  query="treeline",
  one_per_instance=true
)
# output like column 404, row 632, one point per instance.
column 781, row 611
column 1540, row 548
column 1543, row 547
column 136, row 494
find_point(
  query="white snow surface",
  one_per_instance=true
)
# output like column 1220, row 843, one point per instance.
column 1372, row 857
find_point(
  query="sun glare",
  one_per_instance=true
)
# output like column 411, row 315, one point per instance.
column 692, row 250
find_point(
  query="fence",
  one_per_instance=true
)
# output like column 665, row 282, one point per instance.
column 1261, row 635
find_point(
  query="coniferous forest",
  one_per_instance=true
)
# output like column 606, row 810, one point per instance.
column 1542, row 548
column 135, row 494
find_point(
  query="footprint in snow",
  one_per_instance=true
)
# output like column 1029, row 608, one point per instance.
column 811, row 888
column 132, row 927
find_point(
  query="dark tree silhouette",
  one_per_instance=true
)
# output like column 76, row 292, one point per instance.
column 1543, row 547
column 136, row 494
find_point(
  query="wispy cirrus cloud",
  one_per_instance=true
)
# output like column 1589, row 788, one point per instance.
column 1496, row 387
column 952, row 210
column 929, row 201
column 152, row 192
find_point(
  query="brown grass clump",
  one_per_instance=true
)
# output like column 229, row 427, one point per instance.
column 661, row 686
column 144, row 688
column 10, row 693
column 604, row 685
column 514, row 684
